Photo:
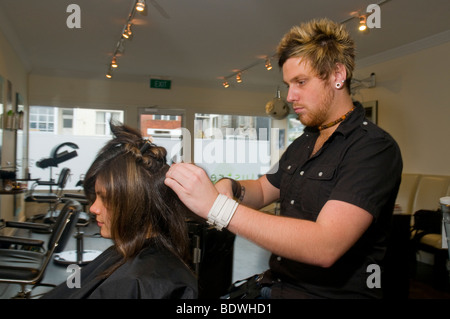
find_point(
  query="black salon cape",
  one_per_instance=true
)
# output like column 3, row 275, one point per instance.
column 152, row 274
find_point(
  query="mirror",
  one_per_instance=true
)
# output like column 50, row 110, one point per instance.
column 1, row 117
column 20, row 136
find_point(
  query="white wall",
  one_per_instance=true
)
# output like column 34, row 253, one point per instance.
column 413, row 93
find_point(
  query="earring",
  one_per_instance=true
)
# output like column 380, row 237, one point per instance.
column 338, row 85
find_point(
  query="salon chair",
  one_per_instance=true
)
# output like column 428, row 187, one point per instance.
column 57, row 157
column 212, row 254
column 51, row 198
column 79, row 256
column 426, row 235
column 27, row 267
column 26, row 243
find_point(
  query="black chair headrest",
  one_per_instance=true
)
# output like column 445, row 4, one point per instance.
column 57, row 158
column 62, row 227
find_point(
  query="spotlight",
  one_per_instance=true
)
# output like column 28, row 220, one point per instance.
column 109, row 74
column 225, row 84
column 114, row 63
column 127, row 31
column 362, row 23
column 268, row 64
column 140, row 5
column 238, row 78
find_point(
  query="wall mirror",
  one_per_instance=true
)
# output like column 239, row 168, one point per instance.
column 1, row 116
column 20, row 136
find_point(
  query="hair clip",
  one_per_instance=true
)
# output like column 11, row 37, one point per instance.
column 146, row 146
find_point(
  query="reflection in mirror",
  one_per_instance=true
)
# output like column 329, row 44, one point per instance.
column 1, row 117
column 20, row 136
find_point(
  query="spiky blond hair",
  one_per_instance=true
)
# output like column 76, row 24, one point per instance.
column 323, row 43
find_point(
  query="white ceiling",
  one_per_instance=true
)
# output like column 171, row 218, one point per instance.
column 196, row 41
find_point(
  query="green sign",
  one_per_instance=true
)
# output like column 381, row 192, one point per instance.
column 160, row 84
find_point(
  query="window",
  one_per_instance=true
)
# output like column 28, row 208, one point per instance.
column 164, row 128
column 100, row 123
column 102, row 119
column 164, row 117
column 295, row 128
column 51, row 127
column 67, row 117
column 42, row 118
column 233, row 145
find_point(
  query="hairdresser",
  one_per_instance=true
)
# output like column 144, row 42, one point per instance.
column 336, row 183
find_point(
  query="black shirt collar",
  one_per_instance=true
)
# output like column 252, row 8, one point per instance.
column 349, row 124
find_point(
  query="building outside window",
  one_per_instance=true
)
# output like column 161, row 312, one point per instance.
column 66, row 121
column 42, row 119
column 102, row 120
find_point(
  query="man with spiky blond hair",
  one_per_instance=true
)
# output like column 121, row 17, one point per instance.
column 336, row 184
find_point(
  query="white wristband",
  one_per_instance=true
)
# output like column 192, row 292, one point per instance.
column 216, row 207
column 222, row 211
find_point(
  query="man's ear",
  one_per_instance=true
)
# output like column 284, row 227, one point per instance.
column 340, row 73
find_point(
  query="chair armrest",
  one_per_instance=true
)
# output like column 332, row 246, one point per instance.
column 74, row 195
column 29, row 225
column 21, row 241
column 46, row 183
column 81, row 198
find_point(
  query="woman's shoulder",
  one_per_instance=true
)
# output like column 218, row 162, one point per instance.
column 158, row 260
column 157, row 273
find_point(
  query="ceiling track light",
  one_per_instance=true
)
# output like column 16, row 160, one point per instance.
column 268, row 65
column 238, row 73
column 354, row 15
column 120, row 47
column 140, row 5
column 125, row 34
column 362, row 23
column 109, row 74
column 114, row 63
column 127, row 31
column 238, row 78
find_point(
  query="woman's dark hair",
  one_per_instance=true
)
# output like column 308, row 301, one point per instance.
column 141, row 206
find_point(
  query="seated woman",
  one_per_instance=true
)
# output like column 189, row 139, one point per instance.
column 145, row 220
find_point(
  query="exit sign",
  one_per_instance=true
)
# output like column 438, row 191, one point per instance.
column 160, row 84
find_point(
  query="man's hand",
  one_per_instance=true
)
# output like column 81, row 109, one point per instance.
column 193, row 187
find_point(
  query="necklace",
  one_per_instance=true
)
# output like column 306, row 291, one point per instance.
column 339, row 120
